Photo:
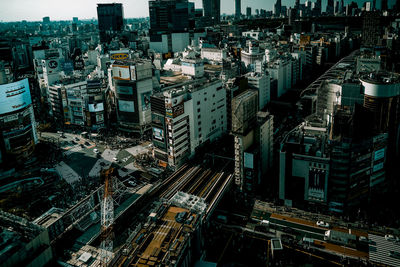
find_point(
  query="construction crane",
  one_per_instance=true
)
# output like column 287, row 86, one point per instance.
column 107, row 217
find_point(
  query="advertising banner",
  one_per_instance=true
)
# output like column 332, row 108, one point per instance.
column 96, row 107
column 125, row 90
column 158, row 134
column 121, row 72
column 316, row 183
column 14, row 96
column 126, row 106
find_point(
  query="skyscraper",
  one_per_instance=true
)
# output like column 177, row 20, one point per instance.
column 330, row 7
column 248, row 11
column 212, row 11
column 238, row 8
column 278, row 7
column 384, row 5
column 297, row 4
column 110, row 19
column 168, row 16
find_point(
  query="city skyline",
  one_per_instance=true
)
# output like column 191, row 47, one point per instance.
column 34, row 11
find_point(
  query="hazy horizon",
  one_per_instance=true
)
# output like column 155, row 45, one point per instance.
column 18, row 10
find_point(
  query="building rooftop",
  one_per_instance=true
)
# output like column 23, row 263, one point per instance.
column 381, row 78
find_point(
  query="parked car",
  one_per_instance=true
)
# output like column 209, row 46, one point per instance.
column 322, row 224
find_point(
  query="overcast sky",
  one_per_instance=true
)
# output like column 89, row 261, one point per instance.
column 33, row 10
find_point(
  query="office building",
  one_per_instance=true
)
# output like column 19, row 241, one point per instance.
column 297, row 5
column 261, row 83
column 292, row 13
column 46, row 20
column 133, row 80
column 111, row 20
column 330, row 7
column 244, row 119
column 278, row 8
column 382, row 99
column 281, row 70
column 238, row 8
column 186, row 116
column 212, row 11
column 248, row 12
column 372, row 31
column 169, row 25
column 265, row 136
column 17, row 122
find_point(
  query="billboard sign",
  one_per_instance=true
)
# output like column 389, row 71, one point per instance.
column 14, row 96
column 121, row 72
column 126, row 106
column 146, row 101
column 96, row 107
column 53, row 64
column 379, row 154
column 125, row 90
column 248, row 160
column 119, row 55
column 158, row 134
column 316, row 184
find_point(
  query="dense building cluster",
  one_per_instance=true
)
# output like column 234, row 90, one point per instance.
column 297, row 105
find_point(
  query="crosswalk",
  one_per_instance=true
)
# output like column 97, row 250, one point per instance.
column 380, row 248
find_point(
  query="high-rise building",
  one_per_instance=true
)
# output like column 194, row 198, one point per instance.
column 133, row 88
column 212, row 11
column 110, row 19
column 168, row 17
column 292, row 12
column 330, row 7
column 261, row 83
column 297, row 5
column 17, row 122
column 46, row 19
column 371, row 34
column 278, row 8
column 244, row 119
column 238, row 8
column 384, row 5
column 186, row 116
column 248, row 11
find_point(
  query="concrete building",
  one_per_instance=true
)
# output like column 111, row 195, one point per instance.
column 17, row 122
column 185, row 116
column 251, row 54
column 244, row 118
column 215, row 55
column 261, row 83
column 281, row 70
column 265, row 135
column 133, row 80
